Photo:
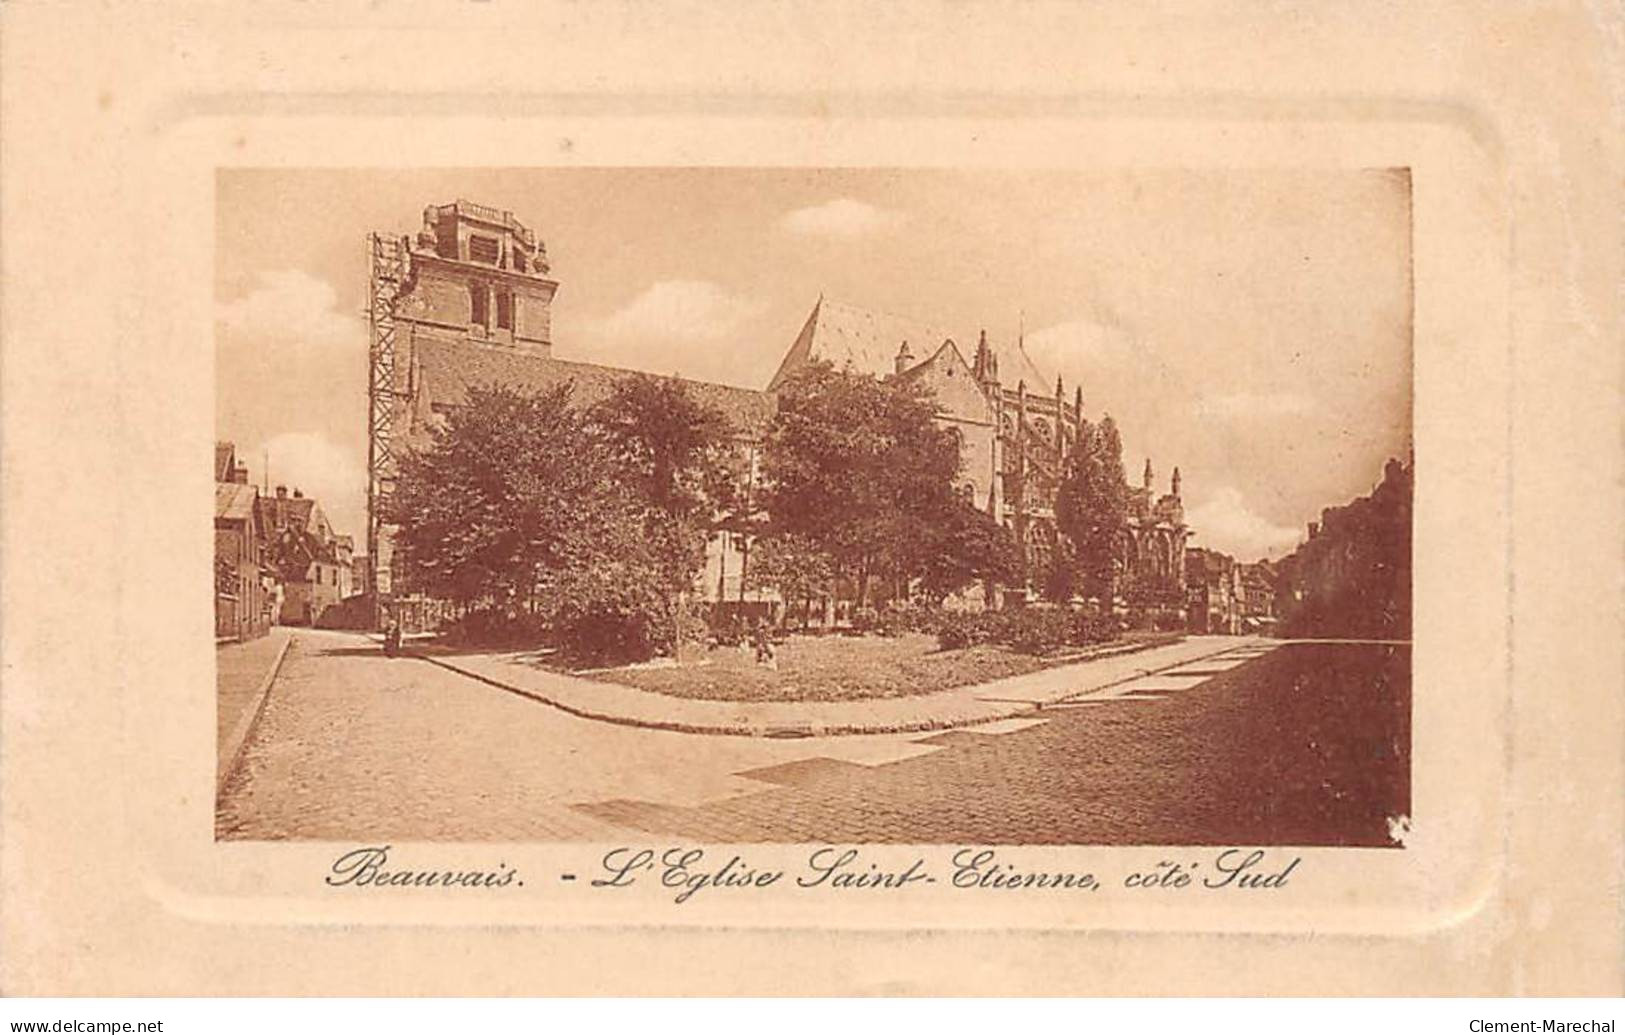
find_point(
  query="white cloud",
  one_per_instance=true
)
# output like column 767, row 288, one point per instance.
column 1257, row 404
column 291, row 368
column 332, row 475
column 1224, row 522
column 1081, row 344
column 291, row 309
column 678, row 311
column 843, row 217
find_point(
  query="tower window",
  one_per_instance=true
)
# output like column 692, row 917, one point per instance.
column 479, row 304
column 483, row 249
column 505, row 310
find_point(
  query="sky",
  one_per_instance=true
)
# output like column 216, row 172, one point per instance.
column 1252, row 327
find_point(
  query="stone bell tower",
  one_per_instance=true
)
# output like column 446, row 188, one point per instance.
column 479, row 274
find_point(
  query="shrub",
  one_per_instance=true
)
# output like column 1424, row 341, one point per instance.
column 1088, row 628
column 1039, row 630
column 893, row 621
column 1031, row 630
column 494, row 627
column 960, row 630
column 916, row 617
column 1168, row 621
column 865, row 619
column 612, row 613
column 729, row 631
column 607, row 636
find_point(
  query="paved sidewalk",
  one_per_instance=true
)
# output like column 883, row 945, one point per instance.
column 240, row 668
column 1014, row 696
column 241, row 671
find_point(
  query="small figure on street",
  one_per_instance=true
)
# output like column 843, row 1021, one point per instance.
column 392, row 638
column 764, row 645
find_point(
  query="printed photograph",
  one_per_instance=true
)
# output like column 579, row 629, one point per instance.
column 837, row 506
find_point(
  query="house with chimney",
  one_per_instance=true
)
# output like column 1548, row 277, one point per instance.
column 243, row 601
column 310, row 562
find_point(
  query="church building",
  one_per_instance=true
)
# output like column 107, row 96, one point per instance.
column 473, row 306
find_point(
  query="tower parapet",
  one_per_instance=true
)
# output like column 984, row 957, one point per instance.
column 480, row 273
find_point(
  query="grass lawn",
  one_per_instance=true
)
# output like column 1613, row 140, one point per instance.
column 831, row 668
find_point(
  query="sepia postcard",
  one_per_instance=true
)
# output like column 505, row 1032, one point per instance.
column 895, row 532
column 871, row 585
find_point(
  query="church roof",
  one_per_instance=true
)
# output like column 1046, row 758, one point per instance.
column 866, row 341
column 451, row 368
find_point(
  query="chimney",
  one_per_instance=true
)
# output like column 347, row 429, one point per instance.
column 905, row 359
column 298, row 495
column 281, row 492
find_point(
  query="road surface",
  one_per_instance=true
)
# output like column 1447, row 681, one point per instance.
column 1302, row 744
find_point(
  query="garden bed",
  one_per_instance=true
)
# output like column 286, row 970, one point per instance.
column 848, row 668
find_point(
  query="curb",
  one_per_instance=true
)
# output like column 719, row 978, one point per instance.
column 792, row 731
column 232, row 751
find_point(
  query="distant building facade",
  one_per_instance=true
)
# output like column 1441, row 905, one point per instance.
column 1212, row 592
column 1257, row 603
column 311, row 563
column 243, row 606
column 1152, row 546
column 1352, row 576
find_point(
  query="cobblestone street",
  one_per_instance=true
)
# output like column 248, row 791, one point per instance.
column 1297, row 744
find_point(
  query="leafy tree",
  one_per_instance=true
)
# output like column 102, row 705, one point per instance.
column 969, row 546
column 1091, row 506
column 666, row 445
column 674, row 458
column 607, row 601
column 593, row 523
column 796, row 566
column 859, row 467
column 1060, row 578
column 484, row 509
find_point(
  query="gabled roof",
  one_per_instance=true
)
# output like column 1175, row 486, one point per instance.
column 866, row 341
column 450, row 368
column 286, row 512
column 952, row 385
column 233, row 501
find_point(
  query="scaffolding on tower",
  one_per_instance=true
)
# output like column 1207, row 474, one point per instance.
column 387, row 263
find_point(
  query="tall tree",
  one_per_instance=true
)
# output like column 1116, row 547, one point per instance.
column 969, row 546
column 1091, row 506
column 673, row 456
column 666, row 444
column 485, row 507
column 860, row 467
